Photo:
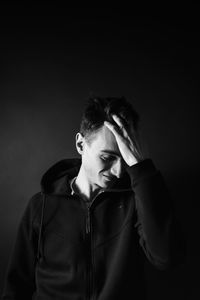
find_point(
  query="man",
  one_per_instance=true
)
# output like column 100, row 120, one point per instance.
column 87, row 233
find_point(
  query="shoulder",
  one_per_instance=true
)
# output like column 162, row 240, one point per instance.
column 33, row 207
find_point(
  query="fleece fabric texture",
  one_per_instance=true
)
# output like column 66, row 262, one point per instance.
column 67, row 250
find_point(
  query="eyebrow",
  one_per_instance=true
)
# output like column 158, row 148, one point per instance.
column 111, row 152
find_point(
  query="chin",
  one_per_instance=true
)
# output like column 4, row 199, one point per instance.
column 106, row 184
column 103, row 185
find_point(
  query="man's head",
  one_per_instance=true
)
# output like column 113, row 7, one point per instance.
column 99, row 110
column 102, row 162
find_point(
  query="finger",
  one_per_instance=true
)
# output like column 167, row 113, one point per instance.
column 118, row 121
column 114, row 129
column 121, row 125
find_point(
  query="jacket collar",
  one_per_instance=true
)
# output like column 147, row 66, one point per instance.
column 57, row 179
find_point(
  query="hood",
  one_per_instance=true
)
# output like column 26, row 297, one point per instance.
column 56, row 179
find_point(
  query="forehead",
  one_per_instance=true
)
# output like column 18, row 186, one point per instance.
column 104, row 139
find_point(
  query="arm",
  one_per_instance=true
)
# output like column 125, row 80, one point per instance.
column 154, row 212
column 20, row 276
column 159, row 233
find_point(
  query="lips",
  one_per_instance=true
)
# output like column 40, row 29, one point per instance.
column 110, row 178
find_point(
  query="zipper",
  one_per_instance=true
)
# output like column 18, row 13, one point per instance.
column 89, row 254
column 89, row 251
column 88, row 221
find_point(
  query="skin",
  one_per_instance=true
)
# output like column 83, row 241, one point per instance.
column 105, row 158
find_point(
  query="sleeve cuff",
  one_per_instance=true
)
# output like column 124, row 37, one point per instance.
column 142, row 169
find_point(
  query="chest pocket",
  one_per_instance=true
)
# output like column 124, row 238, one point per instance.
column 63, row 234
column 110, row 218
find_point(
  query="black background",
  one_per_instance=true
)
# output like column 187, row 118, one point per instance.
column 52, row 59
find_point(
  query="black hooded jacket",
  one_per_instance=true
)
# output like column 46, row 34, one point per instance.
column 67, row 250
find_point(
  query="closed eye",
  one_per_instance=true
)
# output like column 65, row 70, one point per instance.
column 107, row 158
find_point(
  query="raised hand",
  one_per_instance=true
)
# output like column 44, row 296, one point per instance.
column 127, row 141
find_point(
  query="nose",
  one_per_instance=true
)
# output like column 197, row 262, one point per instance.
column 117, row 169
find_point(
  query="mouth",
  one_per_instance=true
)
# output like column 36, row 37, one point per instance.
column 109, row 178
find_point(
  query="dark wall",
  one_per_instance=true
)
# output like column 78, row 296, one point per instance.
column 51, row 64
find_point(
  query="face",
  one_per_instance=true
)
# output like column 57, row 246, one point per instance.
column 102, row 163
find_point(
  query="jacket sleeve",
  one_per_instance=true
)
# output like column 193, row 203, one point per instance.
column 20, row 279
column 159, row 233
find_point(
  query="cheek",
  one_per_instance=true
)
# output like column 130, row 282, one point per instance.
column 102, row 166
column 92, row 165
column 97, row 165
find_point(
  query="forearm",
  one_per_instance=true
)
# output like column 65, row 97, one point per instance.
column 153, row 207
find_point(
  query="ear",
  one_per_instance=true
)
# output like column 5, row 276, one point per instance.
column 80, row 140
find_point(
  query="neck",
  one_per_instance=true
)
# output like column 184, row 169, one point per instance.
column 85, row 187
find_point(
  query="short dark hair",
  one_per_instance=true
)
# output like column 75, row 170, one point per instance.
column 100, row 109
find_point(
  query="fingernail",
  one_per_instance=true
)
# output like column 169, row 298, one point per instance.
column 107, row 123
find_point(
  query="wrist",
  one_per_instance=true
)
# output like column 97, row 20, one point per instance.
column 132, row 161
